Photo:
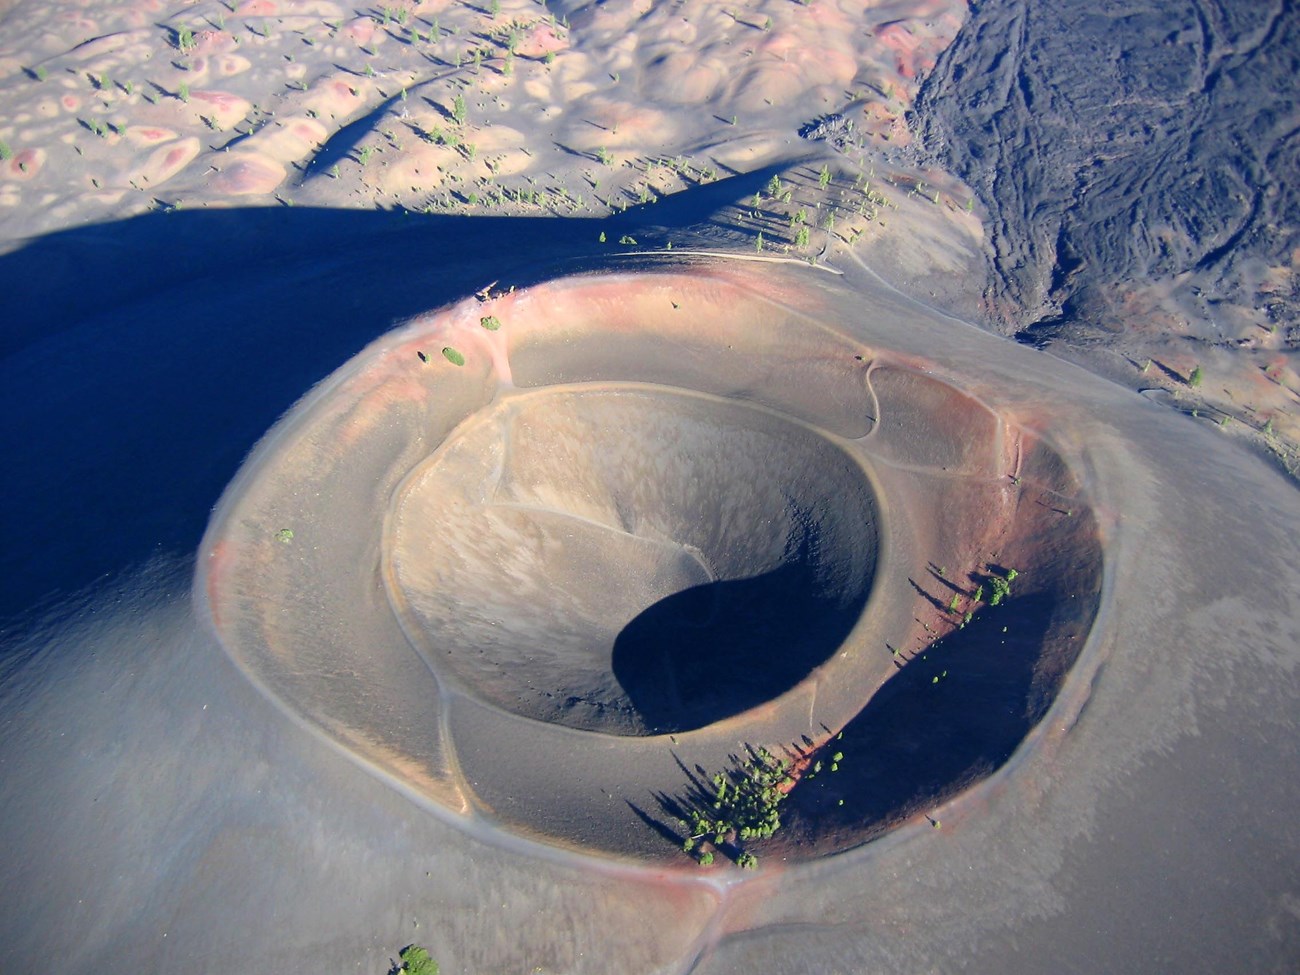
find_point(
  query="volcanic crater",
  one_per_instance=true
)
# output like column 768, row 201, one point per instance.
column 548, row 575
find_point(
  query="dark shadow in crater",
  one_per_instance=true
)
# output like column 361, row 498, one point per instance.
column 716, row 650
column 919, row 740
column 952, row 715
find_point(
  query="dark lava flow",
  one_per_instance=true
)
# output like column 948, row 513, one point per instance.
column 1117, row 140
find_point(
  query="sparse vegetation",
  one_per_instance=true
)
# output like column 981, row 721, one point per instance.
column 744, row 807
column 184, row 40
column 1001, row 586
column 414, row 960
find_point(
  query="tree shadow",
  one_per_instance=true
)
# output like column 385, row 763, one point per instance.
column 1173, row 374
column 939, row 575
column 701, row 795
column 687, row 207
column 934, row 601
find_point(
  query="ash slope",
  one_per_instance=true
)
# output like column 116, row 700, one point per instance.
column 1114, row 141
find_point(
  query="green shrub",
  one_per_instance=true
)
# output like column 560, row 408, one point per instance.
column 414, row 960
column 1001, row 586
column 743, row 808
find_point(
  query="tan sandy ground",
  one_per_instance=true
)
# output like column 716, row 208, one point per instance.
column 578, row 117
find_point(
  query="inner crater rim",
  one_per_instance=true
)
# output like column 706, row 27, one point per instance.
column 630, row 559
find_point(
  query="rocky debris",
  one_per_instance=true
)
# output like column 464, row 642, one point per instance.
column 836, row 128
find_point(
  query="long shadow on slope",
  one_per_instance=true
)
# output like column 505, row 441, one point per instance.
column 141, row 359
column 951, row 715
column 692, row 207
